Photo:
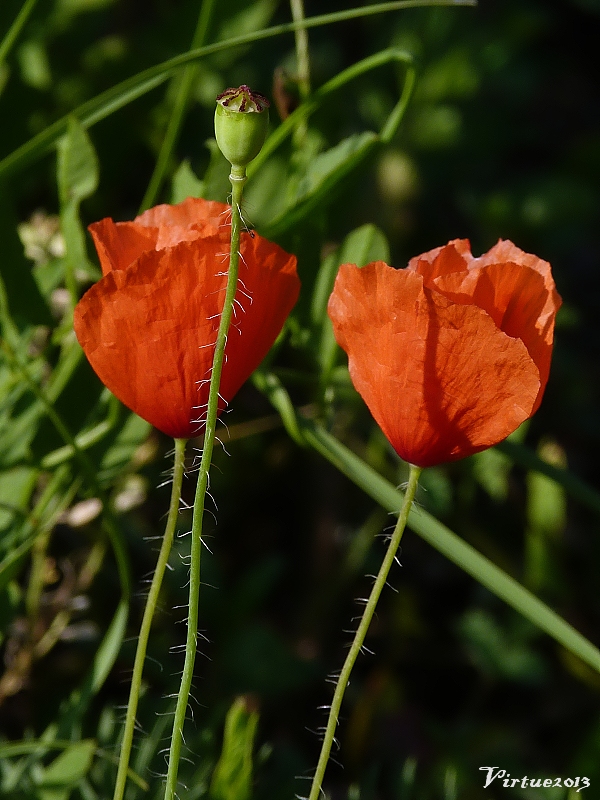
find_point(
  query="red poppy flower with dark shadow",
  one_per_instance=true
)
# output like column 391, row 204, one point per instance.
column 149, row 326
column 453, row 353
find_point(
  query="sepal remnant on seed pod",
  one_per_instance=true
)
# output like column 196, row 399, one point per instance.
column 241, row 123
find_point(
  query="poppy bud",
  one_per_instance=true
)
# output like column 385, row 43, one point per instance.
column 241, row 121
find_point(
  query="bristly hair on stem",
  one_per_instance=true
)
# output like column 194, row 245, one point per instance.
column 131, row 724
column 357, row 645
column 238, row 178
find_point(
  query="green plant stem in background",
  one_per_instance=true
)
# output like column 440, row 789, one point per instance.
column 178, row 111
column 15, row 29
column 302, row 67
column 103, row 105
column 361, row 632
column 149, row 610
column 302, row 53
column 238, row 179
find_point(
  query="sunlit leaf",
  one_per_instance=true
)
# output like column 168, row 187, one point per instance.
column 77, row 163
column 65, row 772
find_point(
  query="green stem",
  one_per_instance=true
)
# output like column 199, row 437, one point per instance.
column 302, row 67
column 179, row 106
column 237, row 178
column 15, row 29
column 302, row 56
column 151, row 602
column 361, row 631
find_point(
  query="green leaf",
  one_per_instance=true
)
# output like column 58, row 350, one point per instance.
column 498, row 652
column 577, row 488
column 546, row 521
column 364, row 245
column 104, row 660
column 266, row 193
column 65, row 772
column 546, row 499
column 21, row 410
column 360, row 247
column 16, row 486
column 77, row 164
column 20, row 416
column 49, row 505
column 121, row 94
column 10, row 605
column 329, row 166
column 35, row 67
column 491, row 470
column 131, row 435
column 11, row 36
column 185, row 184
column 232, row 778
column 246, row 18
column 77, row 176
column 323, row 175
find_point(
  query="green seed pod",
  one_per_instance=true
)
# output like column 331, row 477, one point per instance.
column 241, row 122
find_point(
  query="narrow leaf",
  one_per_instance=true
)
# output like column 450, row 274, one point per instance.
column 232, row 778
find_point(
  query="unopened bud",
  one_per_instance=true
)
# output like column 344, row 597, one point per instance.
column 241, row 122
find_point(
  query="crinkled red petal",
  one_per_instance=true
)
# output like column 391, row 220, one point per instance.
column 149, row 330
column 120, row 243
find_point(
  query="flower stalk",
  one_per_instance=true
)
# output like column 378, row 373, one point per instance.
column 149, row 610
column 361, row 632
column 240, row 134
column 237, row 178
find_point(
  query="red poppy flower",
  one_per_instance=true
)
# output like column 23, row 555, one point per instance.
column 149, row 326
column 452, row 354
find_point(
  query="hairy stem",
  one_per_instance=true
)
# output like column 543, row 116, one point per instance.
column 144, row 635
column 361, row 632
column 237, row 178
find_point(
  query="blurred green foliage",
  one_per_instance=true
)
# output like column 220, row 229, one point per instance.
column 501, row 138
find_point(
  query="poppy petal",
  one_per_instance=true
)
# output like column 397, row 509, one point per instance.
column 191, row 219
column 452, row 257
column 505, row 251
column 515, row 297
column 119, row 243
